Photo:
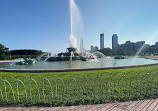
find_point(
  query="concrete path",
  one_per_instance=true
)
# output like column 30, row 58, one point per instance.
column 144, row 105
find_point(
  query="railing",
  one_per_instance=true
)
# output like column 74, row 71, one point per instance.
column 65, row 89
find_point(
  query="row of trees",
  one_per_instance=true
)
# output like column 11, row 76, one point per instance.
column 152, row 50
column 13, row 54
column 25, row 53
column 110, row 52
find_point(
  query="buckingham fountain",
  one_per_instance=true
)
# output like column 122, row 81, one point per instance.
column 72, row 53
column 93, row 60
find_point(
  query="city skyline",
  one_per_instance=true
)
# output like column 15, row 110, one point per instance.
column 42, row 25
column 116, row 45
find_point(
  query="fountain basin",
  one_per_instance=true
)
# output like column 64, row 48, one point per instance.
column 104, row 64
column 73, row 69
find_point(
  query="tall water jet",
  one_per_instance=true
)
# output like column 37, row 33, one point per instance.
column 75, row 19
column 73, row 41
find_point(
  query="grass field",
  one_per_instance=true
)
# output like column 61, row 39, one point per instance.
column 72, row 88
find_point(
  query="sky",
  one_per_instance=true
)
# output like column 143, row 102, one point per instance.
column 45, row 24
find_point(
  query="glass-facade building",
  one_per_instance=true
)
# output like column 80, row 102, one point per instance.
column 102, row 41
column 114, row 42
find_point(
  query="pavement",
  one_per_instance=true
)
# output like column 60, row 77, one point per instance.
column 142, row 105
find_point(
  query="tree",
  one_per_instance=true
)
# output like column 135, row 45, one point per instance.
column 4, row 52
column 107, row 51
column 25, row 53
column 120, row 52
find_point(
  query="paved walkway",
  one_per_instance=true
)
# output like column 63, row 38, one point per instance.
column 144, row 105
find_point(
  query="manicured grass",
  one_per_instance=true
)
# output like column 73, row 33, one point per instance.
column 82, row 87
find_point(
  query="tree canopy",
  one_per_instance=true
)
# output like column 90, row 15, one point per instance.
column 4, row 52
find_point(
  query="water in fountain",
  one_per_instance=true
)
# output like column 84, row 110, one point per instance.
column 44, row 55
column 47, row 58
column 72, row 55
column 93, row 56
column 73, row 41
column 97, row 52
column 76, row 21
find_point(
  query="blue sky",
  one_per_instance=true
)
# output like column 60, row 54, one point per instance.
column 45, row 24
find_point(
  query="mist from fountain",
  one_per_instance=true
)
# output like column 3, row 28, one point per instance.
column 76, row 21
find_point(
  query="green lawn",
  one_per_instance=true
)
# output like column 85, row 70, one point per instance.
column 82, row 87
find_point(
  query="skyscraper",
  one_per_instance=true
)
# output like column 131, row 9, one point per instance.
column 92, row 48
column 102, row 41
column 114, row 42
column 96, row 48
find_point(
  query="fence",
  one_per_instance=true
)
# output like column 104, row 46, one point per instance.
column 65, row 89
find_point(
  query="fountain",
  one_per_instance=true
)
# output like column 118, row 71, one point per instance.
column 101, row 54
column 43, row 56
column 71, row 53
column 76, row 21
column 26, row 61
column 93, row 57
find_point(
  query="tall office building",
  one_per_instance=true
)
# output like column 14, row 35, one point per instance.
column 81, row 45
column 114, row 42
column 102, row 41
column 94, row 48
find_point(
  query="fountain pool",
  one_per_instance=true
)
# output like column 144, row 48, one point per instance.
column 103, row 62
